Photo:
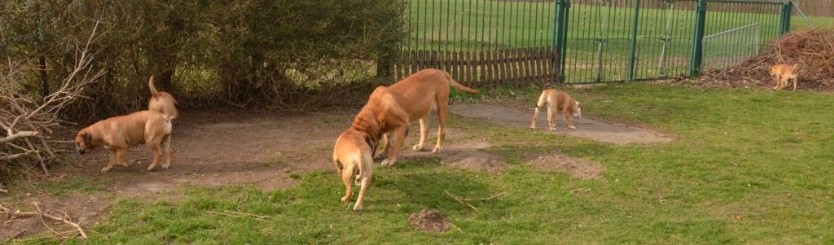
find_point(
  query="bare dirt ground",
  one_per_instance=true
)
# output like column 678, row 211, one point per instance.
column 214, row 148
column 585, row 128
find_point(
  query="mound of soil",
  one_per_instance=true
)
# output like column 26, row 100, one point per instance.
column 813, row 50
column 575, row 167
column 429, row 220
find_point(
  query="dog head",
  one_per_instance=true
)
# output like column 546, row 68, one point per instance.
column 576, row 110
column 83, row 141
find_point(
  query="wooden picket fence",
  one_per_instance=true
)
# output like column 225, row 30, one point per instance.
column 485, row 69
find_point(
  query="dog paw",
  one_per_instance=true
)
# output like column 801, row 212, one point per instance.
column 435, row 150
column 151, row 168
column 380, row 156
column 571, row 127
column 105, row 169
column 417, row 147
column 166, row 166
column 345, row 198
column 387, row 163
column 357, row 208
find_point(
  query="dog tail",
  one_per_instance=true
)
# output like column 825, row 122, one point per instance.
column 154, row 92
column 459, row 86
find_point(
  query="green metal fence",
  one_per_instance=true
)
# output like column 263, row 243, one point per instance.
column 487, row 43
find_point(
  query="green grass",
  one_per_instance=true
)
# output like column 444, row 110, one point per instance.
column 747, row 166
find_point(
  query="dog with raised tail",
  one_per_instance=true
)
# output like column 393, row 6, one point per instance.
column 119, row 133
column 411, row 99
column 162, row 102
column 782, row 73
column 557, row 101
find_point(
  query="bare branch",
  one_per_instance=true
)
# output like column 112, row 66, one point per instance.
column 18, row 135
column 15, row 156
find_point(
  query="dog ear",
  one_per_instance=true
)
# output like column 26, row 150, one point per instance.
column 88, row 140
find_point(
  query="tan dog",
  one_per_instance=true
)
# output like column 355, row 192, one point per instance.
column 162, row 102
column 353, row 154
column 390, row 110
column 782, row 73
column 557, row 101
column 122, row 132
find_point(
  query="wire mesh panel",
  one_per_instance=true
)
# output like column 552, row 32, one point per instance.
column 737, row 31
column 488, row 43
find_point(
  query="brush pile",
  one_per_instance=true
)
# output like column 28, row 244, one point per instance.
column 813, row 50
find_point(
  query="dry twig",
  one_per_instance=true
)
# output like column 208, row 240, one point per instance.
column 64, row 218
column 460, row 200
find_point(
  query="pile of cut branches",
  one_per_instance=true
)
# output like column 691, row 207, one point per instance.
column 27, row 121
column 813, row 50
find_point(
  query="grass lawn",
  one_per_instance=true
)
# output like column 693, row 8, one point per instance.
column 748, row 166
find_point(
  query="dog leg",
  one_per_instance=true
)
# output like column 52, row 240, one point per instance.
column 346, row 174
column 155, row 152
column 360, row 199
column 424, row 133
column 397, row 138
column 535, row 116
column 112, row 156
column 567, row 119
column 794, row 83
column 366, row 171
column 169, row 151
column 385, row 147
column 442, row 113
column 550, row 114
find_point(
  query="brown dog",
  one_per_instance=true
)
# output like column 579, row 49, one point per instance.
column 557, row 101
column 392, row 109
column 122, row 132
column 162, row 102
column 782, row 73
column 353, row 154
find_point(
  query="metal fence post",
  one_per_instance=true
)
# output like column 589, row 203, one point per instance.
column 698, row 40
column 632, row 59
column 785, row 22
column 560, row 26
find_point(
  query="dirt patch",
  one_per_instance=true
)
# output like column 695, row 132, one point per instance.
column 214, row 149
column 82, row 209
column 572, row 166
column 460, row 153
column 429, row 220
column 585, row 127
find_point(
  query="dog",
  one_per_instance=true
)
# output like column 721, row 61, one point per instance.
column 162, row 102
column 782, row 73
column 119, row 133
column 353, row 154
column 392, row 109
column 557, row 101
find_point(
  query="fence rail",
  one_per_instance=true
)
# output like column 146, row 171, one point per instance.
column 513, row 67
column 487, row 43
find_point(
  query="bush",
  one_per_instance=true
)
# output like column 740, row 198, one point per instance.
column 245, row 53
